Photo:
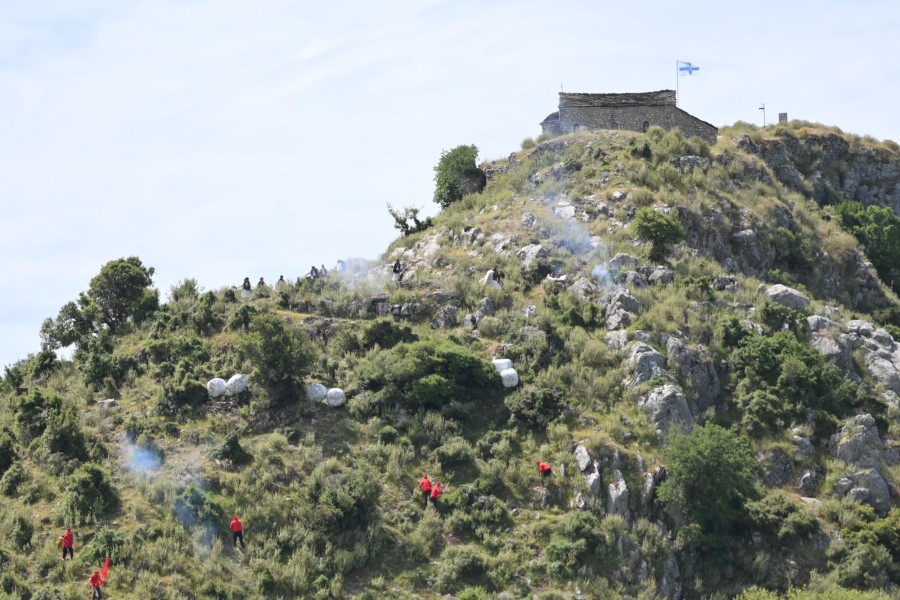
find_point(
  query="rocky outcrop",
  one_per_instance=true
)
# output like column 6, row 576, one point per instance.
column 643, row 362
column 776, row 466
column 787, row 296
column 445, row 318
column 618, row 497
column 621, row 309
column 531, row 253
column 858, row 442
column 667, row 409
column 866, row 487
column 661, row 276
column 694, row 368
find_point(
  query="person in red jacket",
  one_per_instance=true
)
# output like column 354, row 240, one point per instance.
column 96, row 582
column 425, row 486
column 67, row 541
column 544, row 469
column 237, row 532
column 436, row 493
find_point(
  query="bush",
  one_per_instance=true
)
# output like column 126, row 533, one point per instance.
column 7, row 450
column 457, row 175
column 577, row 540
column 453, row 453
column 535, row 405
column 232, row 450
column 280, row 356
column 385, row 333
column 659, row 229
column 780, row 520
column 117, row 545
column 21, row 530
column 712, row 474
column 459, row 564
column 89, row 493
column 13, row 479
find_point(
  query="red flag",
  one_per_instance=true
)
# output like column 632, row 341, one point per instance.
column 104, row 571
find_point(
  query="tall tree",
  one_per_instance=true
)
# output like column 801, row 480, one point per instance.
column 122, row 290
column 456, row 175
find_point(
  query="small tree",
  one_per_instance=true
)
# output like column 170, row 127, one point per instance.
column 456, row 175
column 122, row 290
column 403, row 217
column 712, row 474
column 659, row 229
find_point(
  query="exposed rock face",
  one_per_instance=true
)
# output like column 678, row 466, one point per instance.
column 109, row 403
column 858, row 442
column 694, row 367
column 726, row 283
column 531, row 253
column 807, row 484
column 583, row 288
column 623, row 262
column 661, row 276
column 621, row 309
column 879, row 352
column 445, row 317
column 636, row 280
column 667, row 408
column 787, row 296
column 618, row 497
column 617, row 340
column 486, row 307
column 643, row 362
column 776, row 467
column 582, row 458
column 866, row 487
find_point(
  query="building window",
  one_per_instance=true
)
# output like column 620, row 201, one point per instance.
column 645, row 126
column 613, row 125
column 574, row 126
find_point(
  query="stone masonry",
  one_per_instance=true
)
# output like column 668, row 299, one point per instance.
column 634, row 112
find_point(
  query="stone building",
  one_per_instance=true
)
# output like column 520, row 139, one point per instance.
column 634, row 112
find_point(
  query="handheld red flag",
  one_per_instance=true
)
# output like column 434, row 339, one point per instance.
column 104, row 571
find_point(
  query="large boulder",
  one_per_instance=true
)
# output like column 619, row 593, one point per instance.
column 661, row 276
column 866, row 487
column 667, row 408
column 593, row 481
column 216, row 387
column 445, row 317
column 858, row 442
column 583, row 288
column 787, row 296
column 236, row 385
column 582, row 458
column 620, row 308
column 531, row 253
column 694, row 368
column 776, row 466
column 623, row 262
column 643, row 362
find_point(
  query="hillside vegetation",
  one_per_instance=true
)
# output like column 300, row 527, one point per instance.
column 704, row 343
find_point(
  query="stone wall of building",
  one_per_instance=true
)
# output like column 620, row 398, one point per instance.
column 633, row 112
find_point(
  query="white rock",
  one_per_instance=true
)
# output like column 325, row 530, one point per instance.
column 316, row 392
column 236, row 385
column 335, row 397
column 510, row 378
column 107, row 404
column 216, row 387
column 502, row 364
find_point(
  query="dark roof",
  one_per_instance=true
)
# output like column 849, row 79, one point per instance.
column 658, row 98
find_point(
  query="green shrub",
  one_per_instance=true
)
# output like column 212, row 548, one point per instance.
column 535, row 405
column 385, row 333
column 280, row 356
column 89, row 493
column 459, row 564
column 118, row 545
column 21, row 530
column 7, row 450
column 456, row 175
column 13, row 479
column 712, row 474
column 659, row 229
column 780, row 520
column 577, row 540
column 454, row 452
column 232, row 450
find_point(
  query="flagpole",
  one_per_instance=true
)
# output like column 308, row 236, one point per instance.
column 676, row 82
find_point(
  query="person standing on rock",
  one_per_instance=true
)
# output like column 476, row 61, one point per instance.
column 545, row 470
column 425, row 487
column 237, row 532
column 245, row 288
column 397, row 272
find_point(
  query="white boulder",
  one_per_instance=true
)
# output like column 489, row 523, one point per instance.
column 510, row 378
column 216, row 387
column 335, row 397
column 316, row 392
column 236, row 385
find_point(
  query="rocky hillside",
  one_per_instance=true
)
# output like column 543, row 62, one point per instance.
column 700, row 342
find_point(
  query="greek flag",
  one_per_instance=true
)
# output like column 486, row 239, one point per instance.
column 686, row 68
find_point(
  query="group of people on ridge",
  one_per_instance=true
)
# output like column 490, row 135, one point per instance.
column 314, row 273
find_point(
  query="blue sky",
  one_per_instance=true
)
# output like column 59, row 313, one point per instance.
column 218, row 139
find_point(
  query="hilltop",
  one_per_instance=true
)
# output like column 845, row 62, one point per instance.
column 705, row 345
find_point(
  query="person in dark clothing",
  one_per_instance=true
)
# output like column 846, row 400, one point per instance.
column 497, row 274
column 237, row 532
column 313, row 273
column 397, row 272
column 261, row 283
column 245, row 288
